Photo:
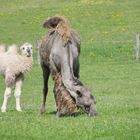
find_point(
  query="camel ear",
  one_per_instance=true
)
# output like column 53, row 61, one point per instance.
column 51, row 22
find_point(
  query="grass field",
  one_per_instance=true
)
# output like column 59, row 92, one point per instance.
column 107, row 29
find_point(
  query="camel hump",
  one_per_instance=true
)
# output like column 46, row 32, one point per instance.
column 12, row 49
column 61, row 25
column 52, row 22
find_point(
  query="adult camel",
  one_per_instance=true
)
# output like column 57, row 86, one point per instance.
column 59, row 53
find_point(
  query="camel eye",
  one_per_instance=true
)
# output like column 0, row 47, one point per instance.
column 87, row 107
column 23, row 48
column 79, row 93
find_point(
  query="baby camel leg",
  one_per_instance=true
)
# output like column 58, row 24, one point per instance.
column 18, row 86
column 7, row 94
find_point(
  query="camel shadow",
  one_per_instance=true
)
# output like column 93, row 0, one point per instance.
column 76, row 114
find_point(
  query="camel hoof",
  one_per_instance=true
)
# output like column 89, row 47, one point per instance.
column 43, row 110
column 59, row 115
column 18, row 109
column 3, row 109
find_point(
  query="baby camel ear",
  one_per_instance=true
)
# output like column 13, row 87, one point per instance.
column 21, row 48
column 51, row 22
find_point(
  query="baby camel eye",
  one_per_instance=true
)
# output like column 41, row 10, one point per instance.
column 23, row 48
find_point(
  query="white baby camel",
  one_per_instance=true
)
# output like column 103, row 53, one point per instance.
column 12, row 67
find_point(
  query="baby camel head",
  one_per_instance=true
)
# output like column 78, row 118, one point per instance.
column 26, row 50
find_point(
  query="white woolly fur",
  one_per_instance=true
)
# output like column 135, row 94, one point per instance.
column 13, row 66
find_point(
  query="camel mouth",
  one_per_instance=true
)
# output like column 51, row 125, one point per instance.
column 28, row 54
column 93, row 114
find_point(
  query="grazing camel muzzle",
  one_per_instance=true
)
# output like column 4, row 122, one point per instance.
column 86, row 101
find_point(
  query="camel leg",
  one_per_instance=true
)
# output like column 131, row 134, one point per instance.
column 7, row 94
column 18, row 86
column 46, row 73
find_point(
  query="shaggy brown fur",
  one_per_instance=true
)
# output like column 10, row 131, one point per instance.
column 64, row 102
column 58, row 25
column 46, row 38
column 61, row 25
column 42, row 45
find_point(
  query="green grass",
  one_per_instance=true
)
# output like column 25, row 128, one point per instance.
column 107, row 29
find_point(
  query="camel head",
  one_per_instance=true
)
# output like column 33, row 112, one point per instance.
column 26, row 50
column 86, row 101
